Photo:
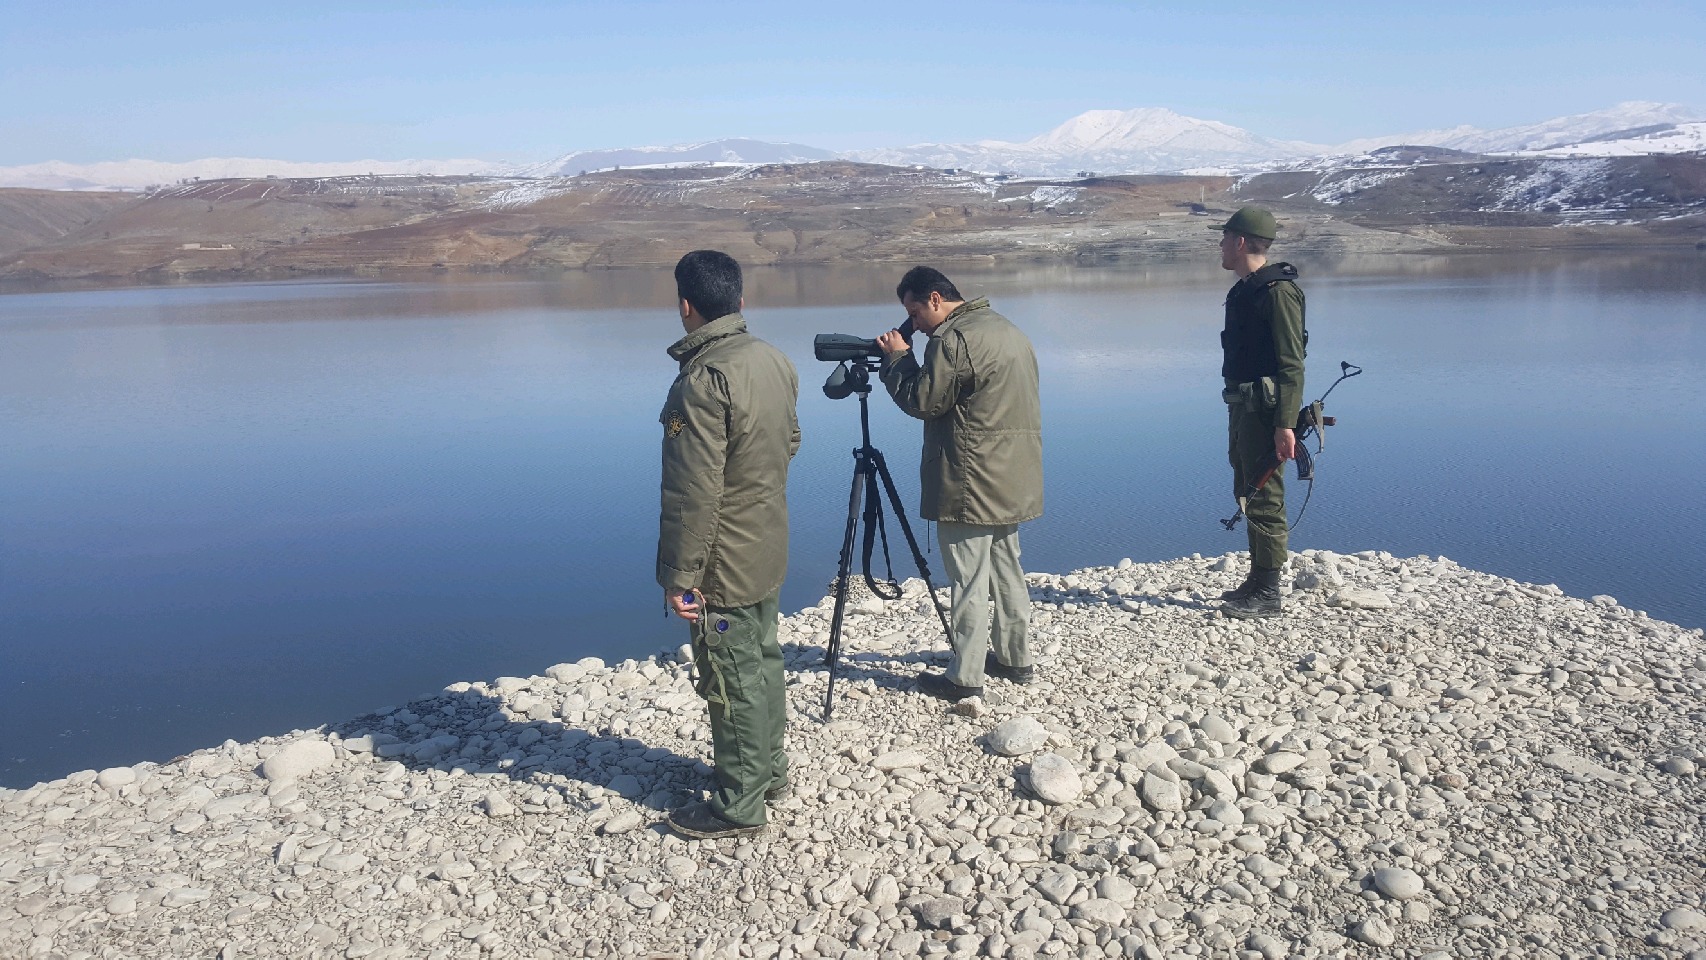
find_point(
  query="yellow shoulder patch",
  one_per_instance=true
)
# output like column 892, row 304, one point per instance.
column 674, row 424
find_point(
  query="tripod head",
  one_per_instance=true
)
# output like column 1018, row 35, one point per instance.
column 850, row 377
column 855, row 358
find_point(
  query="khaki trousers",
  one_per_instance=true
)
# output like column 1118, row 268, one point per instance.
column 991, row 603
column 740, row 677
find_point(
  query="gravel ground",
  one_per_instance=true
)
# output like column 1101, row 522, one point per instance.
column 1418, row 760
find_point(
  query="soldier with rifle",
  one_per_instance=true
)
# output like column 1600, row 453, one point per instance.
column 1262, row 347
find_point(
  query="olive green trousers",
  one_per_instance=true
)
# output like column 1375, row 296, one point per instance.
column 1251, row 445
column 740, row 677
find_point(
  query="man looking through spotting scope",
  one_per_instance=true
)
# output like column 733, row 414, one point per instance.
column 981, row 469
column 729, row 432
column 1262, row 346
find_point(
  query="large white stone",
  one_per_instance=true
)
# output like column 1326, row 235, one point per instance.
column 1398, row 883
column 1161, row 794
column 1098, row 910
column 1683, row 920
column 113, row 777
column 1116, row 888
column 298, row 759
column 885, row 890
column 1360, row 598
column 1373, row 931
column 1226, row 812
column 1054, row 780
column 1278, row 762
column 1218, row 730
column 1017, row 737
column 623, row 822
column 899, row 759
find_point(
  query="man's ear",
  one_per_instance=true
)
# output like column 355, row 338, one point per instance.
column 685, row 308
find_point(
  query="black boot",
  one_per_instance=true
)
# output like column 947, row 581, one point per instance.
column 938, row 685
column 1262, row 601
column 1251, row 584
column 995, row 668
column 700, row 822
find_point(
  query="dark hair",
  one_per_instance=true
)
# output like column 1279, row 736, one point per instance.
column 920, row 282
column 1256, row 245
column 709, row 280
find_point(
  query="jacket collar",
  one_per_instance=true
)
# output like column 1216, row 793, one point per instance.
column 1278, row 270
column 981, row 303
column 724, row 326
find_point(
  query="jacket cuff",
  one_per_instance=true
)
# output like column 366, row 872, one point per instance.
column 670, row 578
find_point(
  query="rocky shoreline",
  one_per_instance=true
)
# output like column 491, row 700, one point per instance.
column 1419, row 760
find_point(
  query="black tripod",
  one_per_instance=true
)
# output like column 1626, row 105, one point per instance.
column 869, row 469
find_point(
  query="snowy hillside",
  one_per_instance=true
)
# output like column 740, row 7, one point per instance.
column 1144, row 140
column 1669, row 138
column 1546, row 135
column 715, row 151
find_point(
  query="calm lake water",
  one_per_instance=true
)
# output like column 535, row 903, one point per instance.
column 230, row 511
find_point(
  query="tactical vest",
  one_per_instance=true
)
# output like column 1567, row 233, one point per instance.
column 1247, row 342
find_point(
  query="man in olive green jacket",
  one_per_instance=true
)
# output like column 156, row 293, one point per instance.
column 1262, row 346
column 729, row 432
column 981, row 471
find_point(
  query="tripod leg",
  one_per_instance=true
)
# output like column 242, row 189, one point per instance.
column 843, row 576
column 881, row 469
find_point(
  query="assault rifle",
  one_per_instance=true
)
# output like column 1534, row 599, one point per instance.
column 1310, row 423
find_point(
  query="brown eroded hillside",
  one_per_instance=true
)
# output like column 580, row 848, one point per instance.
column 835, row 211
column 34, row 218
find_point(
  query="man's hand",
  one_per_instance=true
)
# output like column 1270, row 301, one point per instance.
column 892, row 343
column 1285, row 444
column 682, row 603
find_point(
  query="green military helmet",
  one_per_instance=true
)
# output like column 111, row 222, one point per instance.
column 1252, row 222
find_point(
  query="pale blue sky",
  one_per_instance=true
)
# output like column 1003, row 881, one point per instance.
column 314, row 80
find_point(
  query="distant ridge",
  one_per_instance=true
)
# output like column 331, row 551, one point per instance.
column 1546, row 135
column 137, row 174
column 715, row 151
column 1136, row 141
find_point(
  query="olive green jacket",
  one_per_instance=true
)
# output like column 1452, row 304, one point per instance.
column 729, row 431
column 976, row 392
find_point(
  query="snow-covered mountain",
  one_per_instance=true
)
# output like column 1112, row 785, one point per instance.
column 1551, row 134
column 715, row 151
column 1144, row 140
column 137, row 174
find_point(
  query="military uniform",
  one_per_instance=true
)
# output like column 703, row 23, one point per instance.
column 729, row 432
column 1263, row 346
column 981, row 473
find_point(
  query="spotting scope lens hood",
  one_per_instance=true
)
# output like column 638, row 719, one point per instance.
column 841, row 347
